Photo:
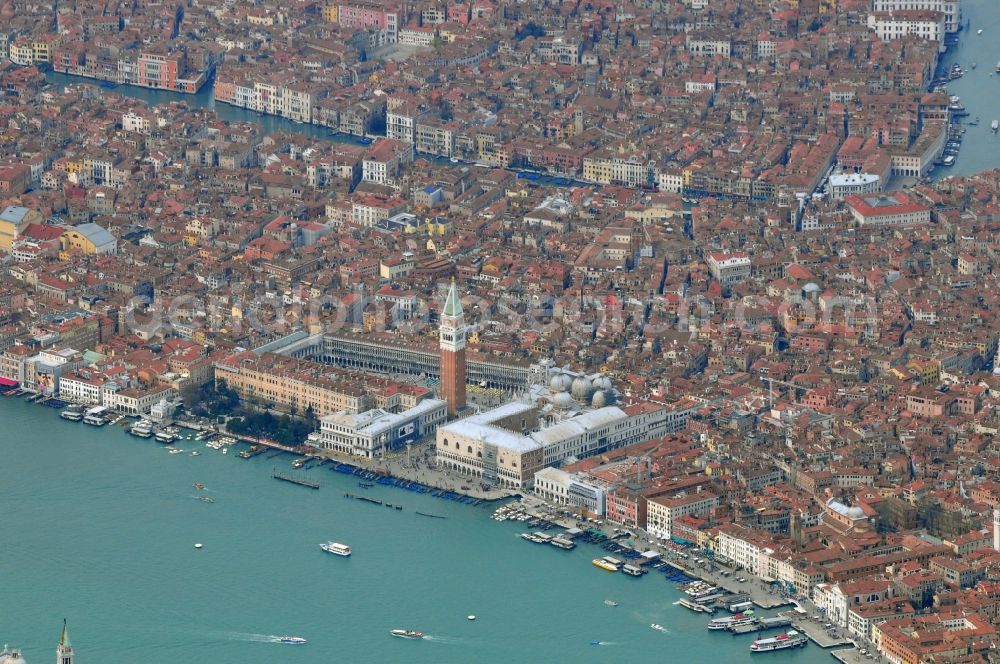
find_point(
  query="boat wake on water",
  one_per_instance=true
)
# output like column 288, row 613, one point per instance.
column 254, row 638
column 452, row 640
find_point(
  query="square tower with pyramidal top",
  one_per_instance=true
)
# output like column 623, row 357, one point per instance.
column 452, row 344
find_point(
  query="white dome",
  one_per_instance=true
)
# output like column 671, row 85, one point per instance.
column 563, row 400
column 842, row 509
column 603, row 383
column 599, row 400
column 582, row 388
column 560, row 383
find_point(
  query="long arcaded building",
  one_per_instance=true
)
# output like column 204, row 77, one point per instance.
column 377, row 353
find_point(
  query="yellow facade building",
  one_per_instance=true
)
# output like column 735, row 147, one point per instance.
column 13, row 220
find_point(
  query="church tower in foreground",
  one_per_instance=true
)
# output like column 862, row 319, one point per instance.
column 452, row 344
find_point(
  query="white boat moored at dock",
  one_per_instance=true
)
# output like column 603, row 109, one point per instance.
column 73, row 414
column 694, row 606
column 142, row 428
column 96, row 416
column 790, row 639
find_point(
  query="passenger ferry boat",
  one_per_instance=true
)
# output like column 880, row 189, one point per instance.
column 165, row 436
column 700, row 589
column 694, row 606
column 562, row 543
column 96, row 416
column 407, row 633
column 73, row 414
column 737, row 625
column 790, row 639
column 725, row 623
column 605, row 564
column 633, row 570
column 142, row 428
column 336, row 548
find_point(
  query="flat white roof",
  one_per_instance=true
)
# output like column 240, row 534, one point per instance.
column 500, row 412
column 558, row 432
column 377, row 420
column 844, row 180
column 491, row 435
column 597, row 418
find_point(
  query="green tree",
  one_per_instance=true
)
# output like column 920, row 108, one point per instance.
column 529, row 29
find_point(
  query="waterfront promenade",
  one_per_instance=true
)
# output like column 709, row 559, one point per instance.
column 418, row 466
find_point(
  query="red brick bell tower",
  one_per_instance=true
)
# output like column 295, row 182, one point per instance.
column 452, row 343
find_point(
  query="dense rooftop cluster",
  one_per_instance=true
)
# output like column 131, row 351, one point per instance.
column 831, row 343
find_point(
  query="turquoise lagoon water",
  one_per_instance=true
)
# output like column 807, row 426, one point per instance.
column 99, row 527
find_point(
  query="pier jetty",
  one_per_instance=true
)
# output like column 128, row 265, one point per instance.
column 373, row 501
column 253, row 451
column 295, row 480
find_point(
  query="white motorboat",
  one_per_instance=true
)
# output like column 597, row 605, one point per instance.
column 407, row 633
column 292, row 640
column 336, row 548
